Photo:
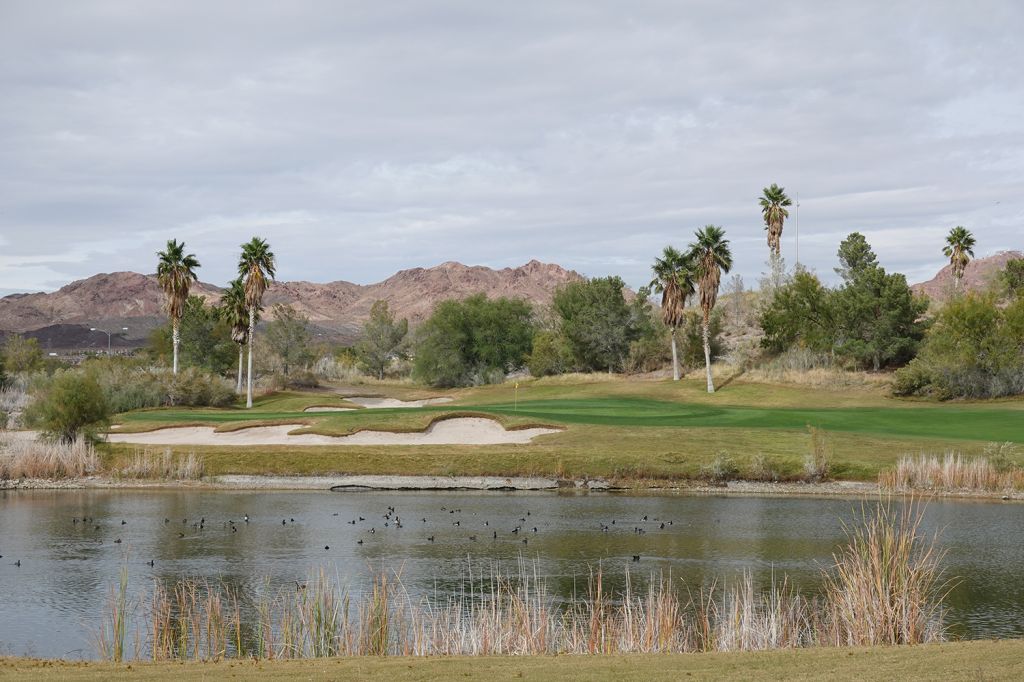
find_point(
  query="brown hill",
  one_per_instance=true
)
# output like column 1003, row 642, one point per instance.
column 128, row 299
column 980, row 274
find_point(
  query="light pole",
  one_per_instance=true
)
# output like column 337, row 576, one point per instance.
column 96, row 329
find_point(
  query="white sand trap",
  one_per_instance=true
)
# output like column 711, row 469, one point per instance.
column 366, row 401
column 324, row 408
column 458, row 431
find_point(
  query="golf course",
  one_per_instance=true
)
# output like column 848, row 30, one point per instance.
column 621, row 428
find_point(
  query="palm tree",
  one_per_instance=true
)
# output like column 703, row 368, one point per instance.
column 175, row 273
column 673, row 279
column 711, row 257
column 773, row 207
column 256, row 268
column 959, row 250
column 235, row 312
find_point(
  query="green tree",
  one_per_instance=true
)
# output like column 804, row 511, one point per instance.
column 959, row 250
column 975, row 349
column 175, row 272
column 855, row 257
column 383, row 340
column 234, row 311
column 1012, row 278
column 256, row 266
column 288, row 337
column 878, row 319
column 69, row 404
column 596, row 322
column 674, row 280
column 799, row 314
column 21, row 354
column 774, row 202
column 204, row 338
column 711, row 256
column 550, row 354
column 477, row 340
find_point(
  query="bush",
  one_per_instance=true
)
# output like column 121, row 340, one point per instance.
column 975, row 349
column 474, row 341
column 551, row 355
column 721, row 469
column 68, row 405
column 128, row 385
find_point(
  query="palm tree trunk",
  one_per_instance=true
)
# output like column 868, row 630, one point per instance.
column 241, row 358
column 707, row 351
column 675, row 357
column 174, row 342
column 252, row 334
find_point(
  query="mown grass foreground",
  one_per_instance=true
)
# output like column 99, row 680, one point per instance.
column 999, row 660
column 612, row 428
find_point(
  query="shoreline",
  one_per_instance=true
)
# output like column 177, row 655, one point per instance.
column 369, row 483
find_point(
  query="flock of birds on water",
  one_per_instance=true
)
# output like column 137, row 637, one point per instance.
column 521, row 531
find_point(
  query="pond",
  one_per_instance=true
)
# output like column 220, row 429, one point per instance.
column 51, row 603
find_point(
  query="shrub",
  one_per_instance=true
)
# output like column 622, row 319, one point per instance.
column 975, row 349
column 129, row 385
column 762, row 468
column 721, row 469
column 477, row 340
column 69, row 404
column 818, row 462
column 551, row 355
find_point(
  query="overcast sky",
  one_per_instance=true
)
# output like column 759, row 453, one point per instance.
column 363, row 138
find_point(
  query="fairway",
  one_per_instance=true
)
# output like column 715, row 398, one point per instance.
column 625, row 429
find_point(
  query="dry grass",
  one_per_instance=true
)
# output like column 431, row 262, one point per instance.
column 28, row 458
column 164, row 465
column 886, row 586
column 951, row 472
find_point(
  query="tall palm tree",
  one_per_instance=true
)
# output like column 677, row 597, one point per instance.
column 175, row 273
column 256, row 268
column 235, row 312
column 959, row 250
column 673, row 279
column 773, row 207
column 711, row 257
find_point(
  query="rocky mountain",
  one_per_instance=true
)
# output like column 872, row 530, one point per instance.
column 127, row 299
column 980, row 274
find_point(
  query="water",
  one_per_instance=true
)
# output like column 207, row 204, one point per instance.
column 50, row 604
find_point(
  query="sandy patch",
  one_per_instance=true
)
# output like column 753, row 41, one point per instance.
column 460, row 431
column 395, row 402
column 322, row 408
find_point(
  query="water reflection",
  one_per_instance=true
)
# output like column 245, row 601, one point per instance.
column 67, row 568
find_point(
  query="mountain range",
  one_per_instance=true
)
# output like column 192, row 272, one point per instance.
column 110, row 301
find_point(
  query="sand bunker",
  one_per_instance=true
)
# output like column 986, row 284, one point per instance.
column 324, row 408
column 459, row 431
column 394, row 402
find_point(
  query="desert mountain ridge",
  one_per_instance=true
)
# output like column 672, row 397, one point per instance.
column 130, row 299
column 979, row 274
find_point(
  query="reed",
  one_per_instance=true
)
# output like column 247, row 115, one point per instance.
column 953, row 471
column 163, row 465
column 31, row 458
column 885, row 587
column 112, row 635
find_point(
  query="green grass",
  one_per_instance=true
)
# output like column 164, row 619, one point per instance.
column 999, row 660
column 612, row 427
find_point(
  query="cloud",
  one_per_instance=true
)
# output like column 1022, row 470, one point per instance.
column 360, row 139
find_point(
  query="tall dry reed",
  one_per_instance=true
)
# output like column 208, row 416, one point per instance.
column 953, row 471
column 163, row 465
column 22, row 457
column 885, row 587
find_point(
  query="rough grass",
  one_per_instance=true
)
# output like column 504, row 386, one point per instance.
column 615, row 427
column 998, row 660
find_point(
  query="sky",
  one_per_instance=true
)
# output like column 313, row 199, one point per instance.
column 361, row 138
